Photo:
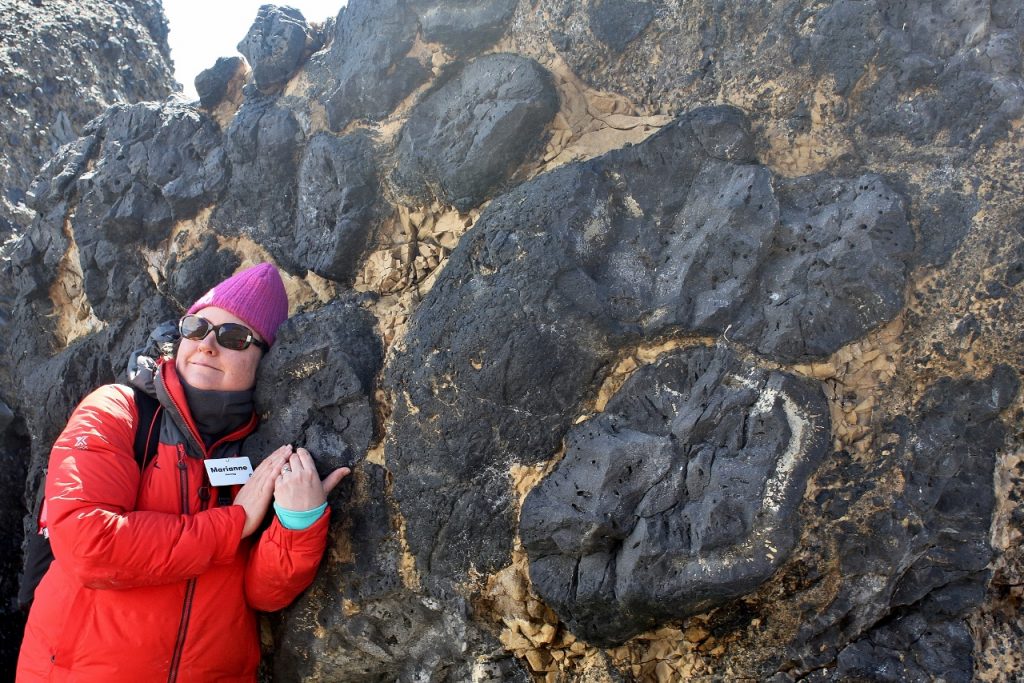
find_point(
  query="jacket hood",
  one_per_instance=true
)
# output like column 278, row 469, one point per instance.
column 143, row 362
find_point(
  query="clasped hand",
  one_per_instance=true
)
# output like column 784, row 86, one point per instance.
column 288, row 476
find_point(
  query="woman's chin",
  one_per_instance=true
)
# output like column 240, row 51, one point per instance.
column 201, row 377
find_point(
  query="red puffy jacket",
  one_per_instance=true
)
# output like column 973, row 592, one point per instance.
column 152, row 580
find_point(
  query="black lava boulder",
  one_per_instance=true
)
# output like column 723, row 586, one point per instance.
column 467, row 137
column 681, row 496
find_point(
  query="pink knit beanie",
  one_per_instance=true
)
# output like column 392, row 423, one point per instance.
column 255, row 295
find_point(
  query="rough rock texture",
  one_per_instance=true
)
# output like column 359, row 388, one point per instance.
column 617, row 23
column 846, row 78
column 465, row 138
column 388, row 630
column 926, row 555
column 263, row 147
column 680, row 497
column 62, row 64
column 212, row 85
column 314, row 388
column 278, row 42
column 158, row 165
column 463, row 26
column 367, row 70
column 340, row 205
column 560, row 274
column 667, row 341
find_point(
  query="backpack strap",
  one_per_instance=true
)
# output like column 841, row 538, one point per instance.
column 147, row 431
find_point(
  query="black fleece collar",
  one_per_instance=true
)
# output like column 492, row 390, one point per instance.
column 217, row 413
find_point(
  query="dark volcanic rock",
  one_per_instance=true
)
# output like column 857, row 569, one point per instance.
column 14, row 457
column 924, row 58
column 914, row 569
column 278, row 42
column 264, row 146
column 945, row 220
column 212, row 84
column 617, row 22
column 890, row 74
column 467, row 137
column 115, row 286
column 897, row 67
column 34, row 258
column 63, row 64
column 397, row 633
column 769, row 241
column 154, row 165
column 189, row 278
column 911, row 647
column 367, row 67
column 340, row 205
column 464, row 26
column 51, row 187
column 671, row 234
column 314, row 206
column 137, row 170
column 836, row 268
column 681, row 496
column 314, row 386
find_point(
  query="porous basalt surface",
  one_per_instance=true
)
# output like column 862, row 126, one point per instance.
column 313, row 389
column 926, row 555
column 666, row 341
column 584, row 261
column 340, row 205
column 680, row 497
column 819, row 74
column 263, row 145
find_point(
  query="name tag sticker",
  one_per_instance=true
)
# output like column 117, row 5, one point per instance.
column 228, row 471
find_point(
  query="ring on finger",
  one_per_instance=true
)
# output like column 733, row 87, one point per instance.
column 286, row 468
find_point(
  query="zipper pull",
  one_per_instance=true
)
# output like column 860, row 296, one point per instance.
column 181, row 457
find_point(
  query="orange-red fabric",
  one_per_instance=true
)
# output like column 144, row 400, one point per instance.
column 111, row 606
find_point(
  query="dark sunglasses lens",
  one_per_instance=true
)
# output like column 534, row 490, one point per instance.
column 232, row 336
column 193, row 327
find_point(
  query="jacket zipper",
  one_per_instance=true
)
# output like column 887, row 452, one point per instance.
column 190, row 587
column 194, row 433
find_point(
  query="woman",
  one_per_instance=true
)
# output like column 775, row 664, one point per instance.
column 157, row 573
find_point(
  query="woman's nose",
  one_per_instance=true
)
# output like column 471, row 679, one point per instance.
column 209, row 343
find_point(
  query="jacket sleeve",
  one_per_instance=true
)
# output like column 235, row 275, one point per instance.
column 283, row 563
column 91, row 491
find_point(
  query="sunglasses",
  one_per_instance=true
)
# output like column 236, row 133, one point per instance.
column 229, row 335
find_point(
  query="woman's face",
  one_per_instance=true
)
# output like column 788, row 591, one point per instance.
column 205, row 364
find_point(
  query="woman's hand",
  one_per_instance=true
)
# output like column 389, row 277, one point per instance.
column 298, row 486
column 256, row 494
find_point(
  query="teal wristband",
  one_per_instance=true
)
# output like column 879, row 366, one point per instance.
column 297, row 521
